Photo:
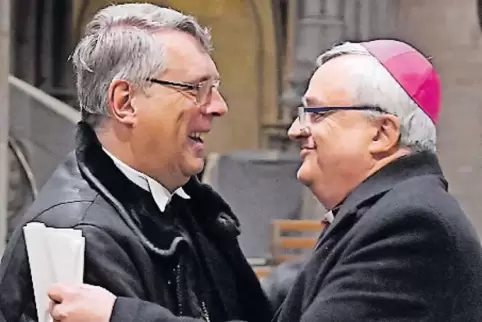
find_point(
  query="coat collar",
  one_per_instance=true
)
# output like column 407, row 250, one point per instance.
column 402, row 169
column 161, row 195
column 405, row 168
column 211, row 212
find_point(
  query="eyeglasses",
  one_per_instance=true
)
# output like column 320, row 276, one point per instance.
column 204, row 89
column 307, row 115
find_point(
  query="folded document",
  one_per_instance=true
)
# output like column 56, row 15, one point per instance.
column 55, row 255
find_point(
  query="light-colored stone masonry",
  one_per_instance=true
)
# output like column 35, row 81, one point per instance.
column 449, row 31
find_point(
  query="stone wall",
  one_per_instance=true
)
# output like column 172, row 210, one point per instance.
column 449, row 31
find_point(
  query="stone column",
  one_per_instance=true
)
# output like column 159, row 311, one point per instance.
column 4, row 118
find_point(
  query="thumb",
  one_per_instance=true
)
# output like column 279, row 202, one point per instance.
column 57, row 292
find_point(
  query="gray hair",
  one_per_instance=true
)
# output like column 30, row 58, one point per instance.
column 374, row 86
column 119, row 44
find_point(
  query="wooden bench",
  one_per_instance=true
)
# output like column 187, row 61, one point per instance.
column 262, row 271
column 285, row 248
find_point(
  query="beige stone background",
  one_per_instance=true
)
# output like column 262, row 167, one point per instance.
column 449, row 31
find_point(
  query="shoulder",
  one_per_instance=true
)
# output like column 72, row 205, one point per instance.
column 94, row 217
column 420, row 211
column 92, row 214
column 69, row 212
column 424, row 200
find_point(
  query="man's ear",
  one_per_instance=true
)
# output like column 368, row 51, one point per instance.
column 120, row 102
column 387, row 134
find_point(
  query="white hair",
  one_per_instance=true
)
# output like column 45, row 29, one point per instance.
column 374, row 86
column 119, row 44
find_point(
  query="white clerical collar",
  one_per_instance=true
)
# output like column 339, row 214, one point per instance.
column 161, row 195
column 329, row 217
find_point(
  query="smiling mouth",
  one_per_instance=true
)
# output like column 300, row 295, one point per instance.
column 305, row 150
column 196, row 137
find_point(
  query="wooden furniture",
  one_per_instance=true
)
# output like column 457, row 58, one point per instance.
column 262, row 271
column 283, row 247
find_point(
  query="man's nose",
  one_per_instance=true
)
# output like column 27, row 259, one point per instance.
column 217, row 106
column 297, row 131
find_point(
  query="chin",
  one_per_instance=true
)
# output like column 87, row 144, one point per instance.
column 304, row 175
column 195, row 167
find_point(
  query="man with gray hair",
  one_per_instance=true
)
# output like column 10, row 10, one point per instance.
column 155, row 236
column 399, row 247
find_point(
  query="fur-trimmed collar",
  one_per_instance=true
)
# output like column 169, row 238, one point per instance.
column 211, row 212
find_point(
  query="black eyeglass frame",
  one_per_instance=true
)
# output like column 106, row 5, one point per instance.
column 175, row 84
column 303, row 110
column 324, row 109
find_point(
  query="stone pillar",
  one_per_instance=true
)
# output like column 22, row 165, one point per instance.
column 4, row 118
column 450, row 32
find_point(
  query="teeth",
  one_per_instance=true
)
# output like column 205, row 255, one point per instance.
column 196, row 135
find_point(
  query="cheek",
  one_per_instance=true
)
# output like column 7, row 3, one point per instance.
column 341, row 150
column 327, row 143
column 193, row 119
column 159, row 131
column 172, row 124
column 187, row 123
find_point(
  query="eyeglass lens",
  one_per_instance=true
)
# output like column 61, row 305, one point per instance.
column 205, row 91
column 302, row 115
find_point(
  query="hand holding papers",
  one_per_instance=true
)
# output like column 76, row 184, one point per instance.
column 55, row 256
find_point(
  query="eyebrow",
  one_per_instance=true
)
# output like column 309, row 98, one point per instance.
column 310, row 101
column 205, row 78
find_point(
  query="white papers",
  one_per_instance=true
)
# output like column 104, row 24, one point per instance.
column 55, row 256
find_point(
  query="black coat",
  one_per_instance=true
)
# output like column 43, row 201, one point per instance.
column 279, row 282
column 399, row 249
column 89, row 193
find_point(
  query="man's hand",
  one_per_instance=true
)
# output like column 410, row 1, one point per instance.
column 84, row 303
